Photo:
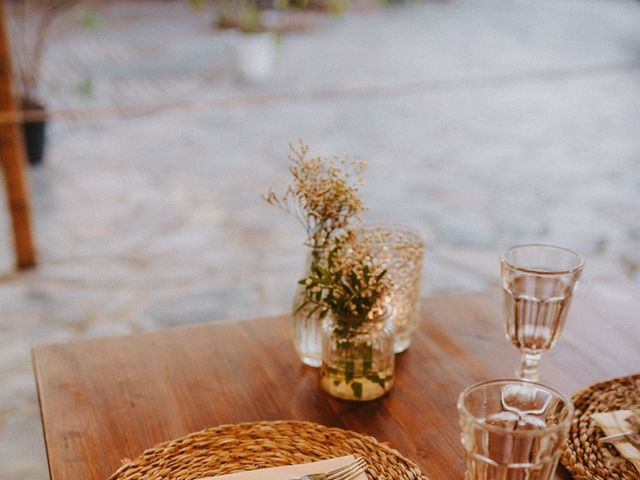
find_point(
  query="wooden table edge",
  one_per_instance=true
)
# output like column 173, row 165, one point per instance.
column 40, row 411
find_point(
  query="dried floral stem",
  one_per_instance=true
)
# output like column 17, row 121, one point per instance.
column 323, row 196
column 344, row 278
column 32, row 24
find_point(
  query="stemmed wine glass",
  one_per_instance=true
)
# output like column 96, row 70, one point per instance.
column 538, row 281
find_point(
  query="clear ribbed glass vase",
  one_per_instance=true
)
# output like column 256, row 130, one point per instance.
column 400, row 250
column 307, row 326
column 357, row 362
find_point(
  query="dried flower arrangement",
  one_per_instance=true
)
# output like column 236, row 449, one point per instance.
column 32, row 23
column 344, row 278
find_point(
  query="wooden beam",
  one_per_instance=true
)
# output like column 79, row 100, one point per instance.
column 13, row 157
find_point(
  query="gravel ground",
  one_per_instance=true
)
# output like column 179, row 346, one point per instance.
column 485, row 124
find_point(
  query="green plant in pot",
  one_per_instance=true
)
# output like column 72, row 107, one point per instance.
column 32, row 24
column 243, row 15
column 350, row 291
column 335, row 7
column 261, row 24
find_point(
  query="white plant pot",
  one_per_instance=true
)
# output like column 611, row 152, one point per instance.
column 256, row 56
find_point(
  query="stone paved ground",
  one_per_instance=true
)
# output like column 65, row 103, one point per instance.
column 485, row 124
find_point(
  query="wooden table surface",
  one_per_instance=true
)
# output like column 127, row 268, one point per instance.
column 106, row 399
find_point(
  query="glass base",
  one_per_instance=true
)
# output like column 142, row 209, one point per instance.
column 401, row 344
column 307, row 338
column 311, row 361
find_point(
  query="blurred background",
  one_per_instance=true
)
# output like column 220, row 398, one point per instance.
column 484, row 124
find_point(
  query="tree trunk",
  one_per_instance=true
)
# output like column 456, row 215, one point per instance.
column 12, row 157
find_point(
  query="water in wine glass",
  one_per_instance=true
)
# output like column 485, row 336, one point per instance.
column 535, row 310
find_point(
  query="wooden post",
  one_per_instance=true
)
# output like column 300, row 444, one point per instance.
column 13, row 157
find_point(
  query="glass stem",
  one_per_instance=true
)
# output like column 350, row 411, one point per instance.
column 529, row 366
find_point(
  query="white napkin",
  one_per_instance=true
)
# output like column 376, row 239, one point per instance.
column 290, row 471
column 616, row 422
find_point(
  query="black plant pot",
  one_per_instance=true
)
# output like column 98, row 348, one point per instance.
column 34, row 131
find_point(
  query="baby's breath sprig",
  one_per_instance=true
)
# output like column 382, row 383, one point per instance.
column 323, row 195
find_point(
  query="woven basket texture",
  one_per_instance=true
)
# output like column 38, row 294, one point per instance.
column 582, row 456
column 249, row 446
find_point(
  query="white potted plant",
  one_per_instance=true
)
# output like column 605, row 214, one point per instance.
column 256, row 50
column 256, row 46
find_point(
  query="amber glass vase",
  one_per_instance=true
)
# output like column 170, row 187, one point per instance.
column 400, row 250
column 357, row 361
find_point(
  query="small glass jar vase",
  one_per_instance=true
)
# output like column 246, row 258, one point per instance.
column 307, row 331
column 357, row 361
column 307, row 325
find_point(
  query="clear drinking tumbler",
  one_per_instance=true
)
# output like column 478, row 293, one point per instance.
column 512, row 430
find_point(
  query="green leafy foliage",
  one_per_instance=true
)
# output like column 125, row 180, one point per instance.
column 348, row 283
column 91, row 19
column 84, row 89
column 357, row 389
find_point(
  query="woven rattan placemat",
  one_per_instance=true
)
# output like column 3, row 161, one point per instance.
column 249, row 446
column 582, row 456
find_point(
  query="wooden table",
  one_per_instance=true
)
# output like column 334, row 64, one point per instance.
column 106, row 399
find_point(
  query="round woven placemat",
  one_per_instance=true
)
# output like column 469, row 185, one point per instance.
column 582, row 456
column 249, row 446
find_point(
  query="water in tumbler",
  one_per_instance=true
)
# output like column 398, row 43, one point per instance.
column 495, row 456
column 512, row 430
column 536, row 310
